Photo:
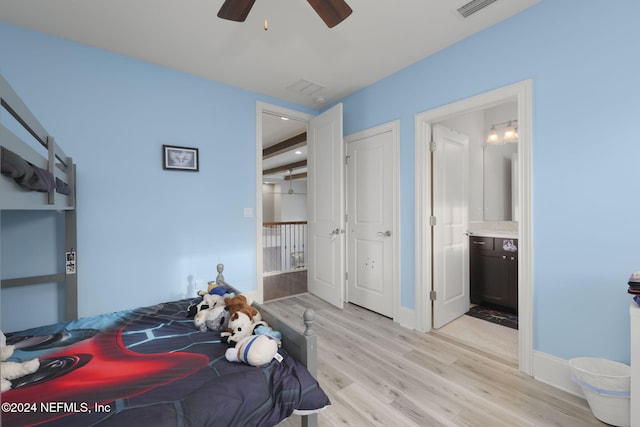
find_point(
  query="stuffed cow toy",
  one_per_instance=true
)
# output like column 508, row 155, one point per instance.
column 213, row 319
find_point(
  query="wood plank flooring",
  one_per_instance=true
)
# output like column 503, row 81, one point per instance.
column 499, row 341
column 378, row 373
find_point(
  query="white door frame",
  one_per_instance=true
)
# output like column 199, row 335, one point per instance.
column 394, row 128
column 521, row 92
column 262, row 107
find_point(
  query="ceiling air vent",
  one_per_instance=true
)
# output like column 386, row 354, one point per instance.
column 473, row 6
column 306, row 87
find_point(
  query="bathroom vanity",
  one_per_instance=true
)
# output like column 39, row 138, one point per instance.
column 493, row 269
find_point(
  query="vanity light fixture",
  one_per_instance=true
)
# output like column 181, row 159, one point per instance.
column 510, row 132
column 492, row 137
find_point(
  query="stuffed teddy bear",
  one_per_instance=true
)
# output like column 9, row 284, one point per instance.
column 214, row 319
column 243, row 318
column 255, row 350
column 242, row 303
column 13, row 370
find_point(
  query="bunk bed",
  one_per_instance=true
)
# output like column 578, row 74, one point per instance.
column 145, row 365
column 38, row 175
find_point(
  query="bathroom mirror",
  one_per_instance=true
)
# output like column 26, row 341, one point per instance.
column 492, row 190
column 498, row 164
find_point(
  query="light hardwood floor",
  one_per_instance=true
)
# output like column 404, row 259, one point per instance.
column 499, row 341
column 378, row 373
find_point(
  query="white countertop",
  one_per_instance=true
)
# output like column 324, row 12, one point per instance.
column 499, row 229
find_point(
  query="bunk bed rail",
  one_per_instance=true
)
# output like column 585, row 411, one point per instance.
column 53, row 160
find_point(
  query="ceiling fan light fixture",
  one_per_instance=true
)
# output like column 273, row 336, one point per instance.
column 290, row 182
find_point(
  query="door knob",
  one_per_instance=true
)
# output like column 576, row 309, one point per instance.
column 385, row 233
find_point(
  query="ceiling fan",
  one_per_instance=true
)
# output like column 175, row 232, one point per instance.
column 332, row 12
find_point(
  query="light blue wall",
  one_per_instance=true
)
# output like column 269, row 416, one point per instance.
column 171, row 225
column 32, row 245
column 584, row 65
column 144, row 234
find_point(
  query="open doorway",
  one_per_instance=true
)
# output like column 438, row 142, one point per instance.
column 325, row 250
column 282, row 202
column 520, row 96
column 490, row 308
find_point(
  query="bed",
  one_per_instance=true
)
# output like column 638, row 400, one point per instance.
column 151, row 365
column 145, row 365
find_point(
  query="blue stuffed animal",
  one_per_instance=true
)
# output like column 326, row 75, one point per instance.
column 267, row 330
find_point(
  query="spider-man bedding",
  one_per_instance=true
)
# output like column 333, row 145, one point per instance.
column 149, row 366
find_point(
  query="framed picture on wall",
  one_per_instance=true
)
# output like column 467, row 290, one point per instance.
column 180, row 158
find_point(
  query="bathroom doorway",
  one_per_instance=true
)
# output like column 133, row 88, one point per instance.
column 520, row 94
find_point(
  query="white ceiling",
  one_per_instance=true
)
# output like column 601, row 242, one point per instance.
column 379, row 38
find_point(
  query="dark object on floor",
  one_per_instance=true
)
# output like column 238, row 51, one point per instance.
column 284, row 285
column 494, row 316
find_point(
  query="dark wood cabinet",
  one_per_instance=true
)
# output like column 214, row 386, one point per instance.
column 493, row 270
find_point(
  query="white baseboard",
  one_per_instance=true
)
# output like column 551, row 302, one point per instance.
column 406, row 318
column 554, row 371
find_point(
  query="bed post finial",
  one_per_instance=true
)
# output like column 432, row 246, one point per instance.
column 308, row 318
column 220, row 277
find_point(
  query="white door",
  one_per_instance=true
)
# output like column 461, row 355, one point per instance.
column 371, row 234
column 450, row 208
column 325, row 174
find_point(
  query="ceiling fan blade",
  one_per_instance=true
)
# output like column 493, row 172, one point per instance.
column 235, row 10
column 332, row 12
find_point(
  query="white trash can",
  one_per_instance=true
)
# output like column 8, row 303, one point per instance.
column 607, row 386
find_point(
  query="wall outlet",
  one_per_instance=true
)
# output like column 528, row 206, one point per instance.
column 248, row 212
